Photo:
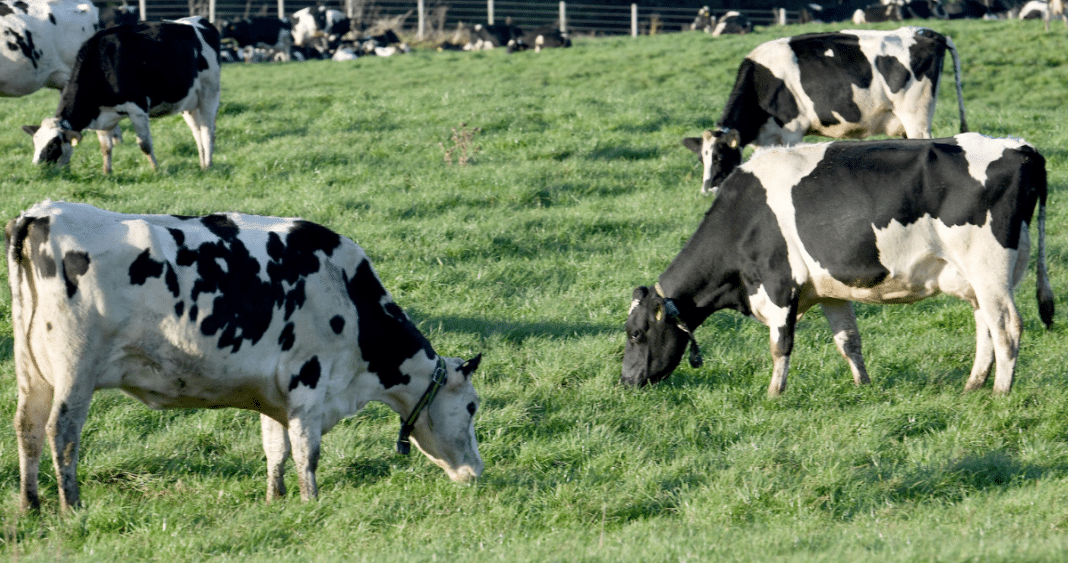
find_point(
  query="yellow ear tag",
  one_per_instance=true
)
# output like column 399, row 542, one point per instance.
column 659, row 313
column 734, row 143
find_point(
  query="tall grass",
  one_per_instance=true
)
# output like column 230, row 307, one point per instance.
column 577, row 189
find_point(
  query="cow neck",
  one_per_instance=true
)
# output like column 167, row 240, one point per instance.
column 437, row 381
column 742, row 111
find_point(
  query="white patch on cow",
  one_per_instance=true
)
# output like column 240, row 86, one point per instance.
column 981, row 151
column 829, row 53
column 766, row 311
column 787, row 167
column 57, row 29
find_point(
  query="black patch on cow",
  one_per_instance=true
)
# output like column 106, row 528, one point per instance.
column 840, row 203
column 194, row 312
column 757, row 95
column 179, row 309
column 22, row 43
column 221, row 226
column 828, row 78
column 287, row 338
column 895, row 74
column 337, row 323
column 53, row 150
column 927, row 54
column 150, row 64
column 5, row 10
column 34, row 232
column 386, row 336
column 308, row 376
column 22, row 6
column 75, row 263
column 144, row 267
column 52, row 19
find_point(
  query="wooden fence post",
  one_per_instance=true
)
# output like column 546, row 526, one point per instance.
column 211, row 11
column 142, row 5
column 281, row 9
column 489, row 12
column 633, row 20
column 563, row 16
column 422, row 20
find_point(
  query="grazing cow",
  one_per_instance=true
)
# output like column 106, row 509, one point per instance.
column 309, row 23
column 854, row 83
column 486, row 37
column 732, row 23
column 41, row 40
column 922, row 10
column 141, row 71
column 280, row 316
column 1035, row 10
column 892, row 221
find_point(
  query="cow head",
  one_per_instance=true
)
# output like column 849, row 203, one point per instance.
column 720, row 152
column 656, row 339
column 53, row 141
column 446, row 432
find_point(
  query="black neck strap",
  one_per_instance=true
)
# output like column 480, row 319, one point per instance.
column 672, row 311
column 437, row 381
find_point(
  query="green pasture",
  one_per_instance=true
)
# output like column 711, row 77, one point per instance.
column 574, row 188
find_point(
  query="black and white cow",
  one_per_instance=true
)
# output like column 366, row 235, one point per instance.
column 965, row 9
column 486, row 37
column 876, row 13
column 40, row 42
column 309, row 23
column 732, row 23
column 263, row 32
column 544, row 37
column 704, row 20
column 279, row 316
column 827, row 14
column 137, row 71
column 854, row 83
column 892, row 221
column 124, row 14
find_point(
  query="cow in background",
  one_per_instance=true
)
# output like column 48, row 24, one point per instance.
column 854, row 83
column 140, row 71
column 732, row 23
column 272, row 34
column 41, row 41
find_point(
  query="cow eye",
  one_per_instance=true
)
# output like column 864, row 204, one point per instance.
column 471, row 408
column 636, row 335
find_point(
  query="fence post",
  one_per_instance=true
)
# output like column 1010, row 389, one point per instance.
column 281, row 9
column 633, row 20
column 563, row 17
column 780, row 16
column 422, row 19
column 211, row 11
column 142, row 5
column 489, row 12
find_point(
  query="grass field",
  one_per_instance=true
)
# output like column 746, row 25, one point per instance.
column 576, row 190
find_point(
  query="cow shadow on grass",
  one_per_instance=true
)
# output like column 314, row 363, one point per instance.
column 515, row 332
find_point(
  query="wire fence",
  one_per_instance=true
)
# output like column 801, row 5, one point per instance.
column 581, row 19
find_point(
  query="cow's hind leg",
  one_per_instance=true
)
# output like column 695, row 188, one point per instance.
column 847, row 337
column 276, row 446
column 203, row 133
column 107, row 142
column 31, row 419
column 70, row 406
column 1003, row 320
column 139, row 119
column 984, row 353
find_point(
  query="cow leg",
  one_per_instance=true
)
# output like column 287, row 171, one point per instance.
column 276, row 446
column 31, row 419
column 782, row 344
column 1003, row 320
column 139, row 119
column 847, row 337
column 984, row 353
column 203, row 133
column 305, row 435
column 106, row 144
column 69, row 410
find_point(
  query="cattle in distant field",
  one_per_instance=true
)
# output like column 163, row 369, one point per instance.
column 892, row 221
column 732, row 23
column 922, row 9
column 41, row 40
column 1056, row 10
column 704, row 20
column 827, row 14
column 310, row 22
column 259, row 32
column 137, row 71
column 876, row 13
column 283, row 317
column 486, row 37
column 965, row 9
column 111, row 16
column 854, row 83
column 545, row 37
column 1035, row 10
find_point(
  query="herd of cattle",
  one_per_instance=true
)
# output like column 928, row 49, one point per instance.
column 289, row 319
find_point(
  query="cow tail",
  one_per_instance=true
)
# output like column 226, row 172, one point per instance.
column 20, row 277
column 1044, row 291
column 956, row 74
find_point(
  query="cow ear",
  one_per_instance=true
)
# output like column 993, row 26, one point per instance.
column 31, row 129
column 733, row 138
column 469, row 367
column 640, row 292
column 659, row 311
column 692, row 143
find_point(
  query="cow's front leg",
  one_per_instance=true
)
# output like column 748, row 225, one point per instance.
column 31, row 419
column 847, row 337
column 984, row 354
column 106, row 144
column 782, row 344
column 276, row 446
column 305, row 434
column 139, row 120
